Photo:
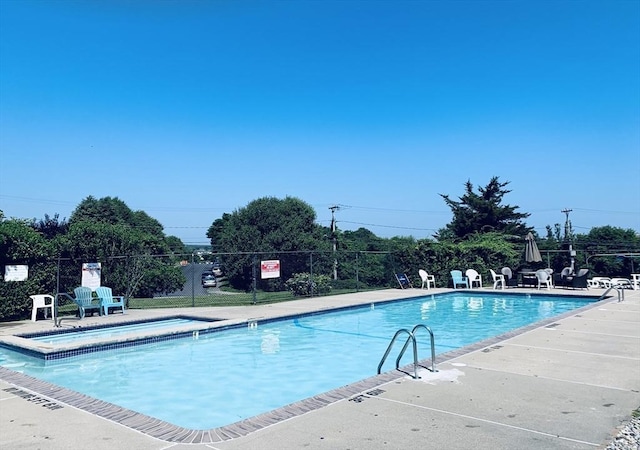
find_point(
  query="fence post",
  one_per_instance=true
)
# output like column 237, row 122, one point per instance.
column 253, row 276
column 311, row 272
column 357, row 272
column 193, row 281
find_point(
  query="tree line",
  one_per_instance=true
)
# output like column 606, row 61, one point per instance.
column 484, row 233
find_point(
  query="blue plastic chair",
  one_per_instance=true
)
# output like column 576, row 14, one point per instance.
column 85, row 301
column 107, row 300
column 459, row 279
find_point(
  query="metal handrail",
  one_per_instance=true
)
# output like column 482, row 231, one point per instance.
column 433, row 347
column 415, row 351
column 619, row 289
column 58, row 322
column 411, row 338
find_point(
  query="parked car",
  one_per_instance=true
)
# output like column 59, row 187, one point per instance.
column 206, row 273
column 217, row 270
column 209, row 281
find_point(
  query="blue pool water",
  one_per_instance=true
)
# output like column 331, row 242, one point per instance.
column 222, row 377
column 114, row 331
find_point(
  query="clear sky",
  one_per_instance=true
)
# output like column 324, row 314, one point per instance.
column 190, row 109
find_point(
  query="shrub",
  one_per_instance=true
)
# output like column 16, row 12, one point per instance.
column 301, row 284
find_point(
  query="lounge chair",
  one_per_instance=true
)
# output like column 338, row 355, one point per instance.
column 578, row 281
column 474, row 277
column 599, row 282
column 458, row 279
column 544, row 278
column 85, row 301
column 107, row 300
column 624, row 283
column 426, row 279
column 510, row 280
column 42, row 301
column 404, row 281
column 497, row 279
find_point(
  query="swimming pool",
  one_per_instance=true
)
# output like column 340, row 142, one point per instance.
column 75, row 335
column 218, row 378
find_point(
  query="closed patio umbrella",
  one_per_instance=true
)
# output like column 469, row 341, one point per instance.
column 531, row 252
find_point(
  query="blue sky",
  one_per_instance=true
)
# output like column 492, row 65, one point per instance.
column 190, row 109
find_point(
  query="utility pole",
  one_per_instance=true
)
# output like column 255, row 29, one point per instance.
column 333, row 209
column 568, row 235
column 567, row 224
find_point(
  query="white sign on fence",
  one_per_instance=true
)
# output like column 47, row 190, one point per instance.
column 270, row 268
column 91, row 275
column 16, row 272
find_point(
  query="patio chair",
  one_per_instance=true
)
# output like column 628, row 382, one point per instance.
column 474, row 277
column 107, row 300
column 544, row 278
column 550, row 272
column 458, row 279
column 562, row 278
column 510, row 280
column 85, row 301
column 579, row 280
column 426, row 279
column 404, row 281
column 42, row 301
column 497, row 279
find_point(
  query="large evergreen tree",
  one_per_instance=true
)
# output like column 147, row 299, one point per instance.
column 483, row 212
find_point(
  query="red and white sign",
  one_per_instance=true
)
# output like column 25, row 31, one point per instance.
column 270, row 269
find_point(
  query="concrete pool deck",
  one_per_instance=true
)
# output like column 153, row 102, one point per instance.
column 566, row 383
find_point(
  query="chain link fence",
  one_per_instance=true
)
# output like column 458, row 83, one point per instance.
column 157, row 281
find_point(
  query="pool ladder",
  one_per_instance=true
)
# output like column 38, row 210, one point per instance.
column 411, row 338
column 619, row 289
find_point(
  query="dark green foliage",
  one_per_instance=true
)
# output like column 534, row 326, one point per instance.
column 50, row 227
column 301, row 284
column 265, row 229
column 21, row 244
column 611, row 251
column 483, row 252
column 483, row 212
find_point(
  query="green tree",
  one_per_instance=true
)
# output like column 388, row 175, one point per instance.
column 483, row 212
column 107, row 209
column 268, row 226
column 609, row 250
column 21, row 244
column 372, row 266
column 136, row 254
column 50, row 227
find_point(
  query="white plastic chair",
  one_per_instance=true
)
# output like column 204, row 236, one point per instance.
column 497, row 279
column 550, row 272
column 474, row 277
column 543, row 278
column 426, row 278
column 44, row 301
